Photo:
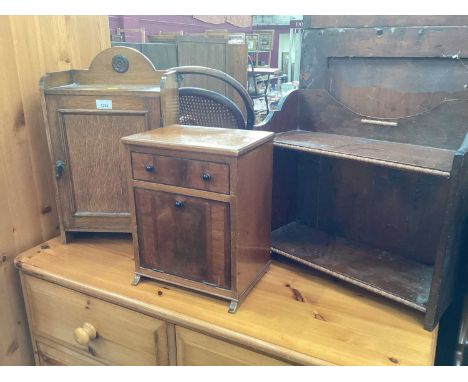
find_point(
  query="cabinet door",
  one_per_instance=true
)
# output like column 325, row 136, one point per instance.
column 196, row 349
column 95, row 159
column 90, row 161
column 184, row 236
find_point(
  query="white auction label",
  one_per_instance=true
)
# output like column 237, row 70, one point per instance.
column 104, row 104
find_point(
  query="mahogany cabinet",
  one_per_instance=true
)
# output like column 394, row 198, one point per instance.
column 202, row 207
column 86, row 113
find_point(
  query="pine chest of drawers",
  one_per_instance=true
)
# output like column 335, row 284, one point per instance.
column 201, row 207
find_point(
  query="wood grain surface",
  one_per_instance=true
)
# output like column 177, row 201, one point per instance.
column 190, row 239
column 181, row 172
column 123, row 337
column 391, row 154
column 96, row 159
column 208, row 140
column 376, row 270
column 34, row 45
column 338, row 323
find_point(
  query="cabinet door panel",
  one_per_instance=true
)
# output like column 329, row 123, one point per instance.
column 184, row 236
column 196, row 349
column 97, row 160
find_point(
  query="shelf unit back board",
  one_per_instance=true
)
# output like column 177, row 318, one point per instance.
column 386, row 72
column 382, row 204
column 442, row 126
column 397, row 211
column 86, row 113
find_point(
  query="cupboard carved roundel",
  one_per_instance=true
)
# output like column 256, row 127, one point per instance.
column 120, row 63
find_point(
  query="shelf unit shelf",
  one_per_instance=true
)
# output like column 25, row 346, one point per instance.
column 373, row 269
column 404, row 156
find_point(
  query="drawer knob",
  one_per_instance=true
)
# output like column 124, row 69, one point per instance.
column 179, row 204
column 149, row 168
column 206, row 176
column 85, row 334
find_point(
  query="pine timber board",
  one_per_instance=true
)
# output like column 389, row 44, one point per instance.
column 33, row 45
column 339, row 324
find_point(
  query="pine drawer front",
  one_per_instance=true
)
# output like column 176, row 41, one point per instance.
column 196, row 349
column 189, row 173
column 124, row 337
column 51, row 354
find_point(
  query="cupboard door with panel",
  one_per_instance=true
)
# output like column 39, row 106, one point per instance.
column 185, row 236
column 91, row 185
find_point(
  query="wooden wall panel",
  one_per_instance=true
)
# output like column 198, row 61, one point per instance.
column 32, row 46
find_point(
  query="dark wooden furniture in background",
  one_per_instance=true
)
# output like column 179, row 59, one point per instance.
column 370, row 174
column 86, row 113
column 163, row 55
column 201, row 207
column 461, row 352
column 190, row 50
column 291, row 317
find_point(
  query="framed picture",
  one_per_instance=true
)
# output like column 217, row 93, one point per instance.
column 265, row 40
column 252, row 40
column 236, row 38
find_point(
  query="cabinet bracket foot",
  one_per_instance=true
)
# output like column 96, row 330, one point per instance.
column 233, row 307
column 136, row 280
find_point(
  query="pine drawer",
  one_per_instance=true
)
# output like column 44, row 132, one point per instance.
column 124, row 337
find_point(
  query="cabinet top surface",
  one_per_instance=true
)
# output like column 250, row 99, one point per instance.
column 231, row 142
column 304, row 314
column 110, row 88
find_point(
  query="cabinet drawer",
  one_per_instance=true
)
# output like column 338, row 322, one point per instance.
column 49, row 354
column 201, row 175
column 124, row 337
column 196, row 349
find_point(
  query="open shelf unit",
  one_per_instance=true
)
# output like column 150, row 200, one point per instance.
column 371, row 162
column 381, row 214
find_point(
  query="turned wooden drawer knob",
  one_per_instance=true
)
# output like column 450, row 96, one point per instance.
column 86, row 333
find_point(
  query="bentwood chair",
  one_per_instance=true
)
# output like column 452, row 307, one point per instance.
column 202, row 107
